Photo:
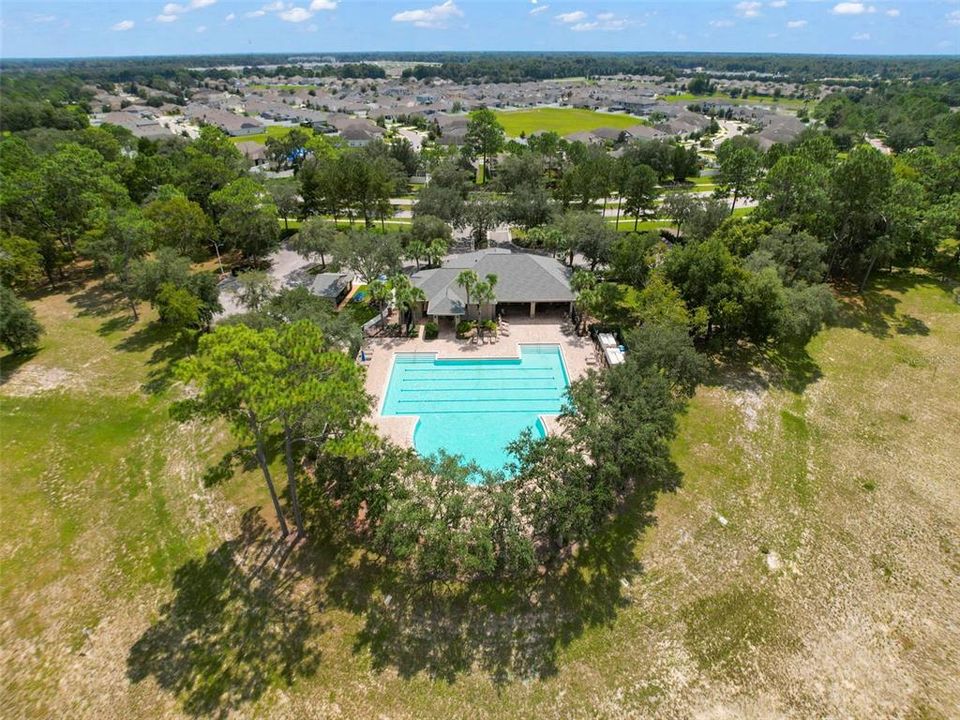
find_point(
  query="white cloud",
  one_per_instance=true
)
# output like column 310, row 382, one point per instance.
column 722, row 23
column 852, row 8
column 605, row 21
column 892, row 12
column 275, row 6
column 748, row 9
column 572, row 17
column 953, row 18
column 171, row 10
column 231, row 17
column 860, row 36
column 794, row 24
column 201, row 28
column 778, row 3
column 123, row 26
column 318, row 5
column 296, row 15
column 433, row 17
column 539, row 9
column 255, row 13
column 42, row 18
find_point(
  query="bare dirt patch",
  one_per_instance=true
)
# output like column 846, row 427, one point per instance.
column 34, row 379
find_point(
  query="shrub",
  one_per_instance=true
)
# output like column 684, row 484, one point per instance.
column 431, row 330
column 489, row 325
column 19, row 329
column 464, row 326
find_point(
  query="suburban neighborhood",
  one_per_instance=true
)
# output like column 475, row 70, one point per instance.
column 342, row 376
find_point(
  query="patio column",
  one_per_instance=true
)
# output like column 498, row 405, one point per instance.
column 533, row 309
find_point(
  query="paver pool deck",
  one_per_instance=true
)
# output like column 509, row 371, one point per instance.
column 399, row 428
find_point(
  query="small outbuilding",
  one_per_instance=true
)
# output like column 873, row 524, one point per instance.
column 331, row 286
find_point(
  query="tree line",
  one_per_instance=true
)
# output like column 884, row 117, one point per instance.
column 140, row 212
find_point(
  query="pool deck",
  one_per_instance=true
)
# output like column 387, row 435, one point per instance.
column 546, row 331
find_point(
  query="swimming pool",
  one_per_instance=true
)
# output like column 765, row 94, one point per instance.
column 475, row 407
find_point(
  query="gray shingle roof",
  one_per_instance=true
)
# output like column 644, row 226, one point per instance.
column 329, row 285
column 521, row 277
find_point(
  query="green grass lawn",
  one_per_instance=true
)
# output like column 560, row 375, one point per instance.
column 805, row 566
column 281, row 87
column 751, row 100
column 269, row 131
column 561, row 120
column 395, row 225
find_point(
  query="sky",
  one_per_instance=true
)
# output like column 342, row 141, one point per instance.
column 82, row 28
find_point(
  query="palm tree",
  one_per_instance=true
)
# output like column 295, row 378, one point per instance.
column 416, row 250
column 437, row 248
column 407, row 296
column 379, row 293
column 584, row 283
column 485, row 294
column 468, row 279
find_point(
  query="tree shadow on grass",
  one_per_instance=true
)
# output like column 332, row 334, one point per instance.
column 97, row 300
column 503, row 629
column 747, row 367
column 238, row 624
column 120, row 323
column 164, row 359
column 170, row 345
column 909, row 325
column 227, row 467
column 11, row 362
column 247, row 616
column 751, row 368
column 875, row 310
column 146, row 337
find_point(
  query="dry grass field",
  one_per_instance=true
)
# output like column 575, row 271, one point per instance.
column 807, row 565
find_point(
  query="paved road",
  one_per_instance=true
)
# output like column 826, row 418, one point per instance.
column 414, row 136
column 283, row 263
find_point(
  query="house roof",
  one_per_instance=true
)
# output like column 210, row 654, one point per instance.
column 521, row 277
column 329, row 285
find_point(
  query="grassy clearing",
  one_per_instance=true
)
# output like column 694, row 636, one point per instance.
column 626, row 224
column 395, row 225
column 561, row 120
column 751, row 100
column 807, row 564
column 269, row 131
column 282, row 87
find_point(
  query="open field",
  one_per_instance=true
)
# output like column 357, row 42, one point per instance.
column 281, row 87
column 751, row 100
column 269, row 131
column 807, row 564
column 561, row 120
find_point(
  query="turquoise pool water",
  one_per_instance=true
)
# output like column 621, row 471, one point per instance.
column 474, row 408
